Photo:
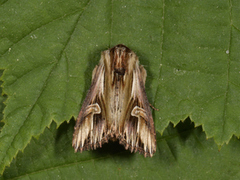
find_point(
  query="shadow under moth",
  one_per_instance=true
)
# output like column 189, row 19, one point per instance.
column 116, row 106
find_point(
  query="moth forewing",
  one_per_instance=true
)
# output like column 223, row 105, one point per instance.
column 116, row 106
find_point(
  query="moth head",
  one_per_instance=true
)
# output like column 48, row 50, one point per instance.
column 122, row 59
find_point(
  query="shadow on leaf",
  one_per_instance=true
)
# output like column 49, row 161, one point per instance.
column 64, row 134
column 185, row 128
column 113, row 149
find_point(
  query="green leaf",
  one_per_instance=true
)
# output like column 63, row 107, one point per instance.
column 199, row 75
column 183, row 153
column 2, row 99
column 49, row 49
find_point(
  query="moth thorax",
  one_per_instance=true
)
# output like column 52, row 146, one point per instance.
column 119, row 71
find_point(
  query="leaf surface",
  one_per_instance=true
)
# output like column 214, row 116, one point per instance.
column 183, row 153
column 48, row 50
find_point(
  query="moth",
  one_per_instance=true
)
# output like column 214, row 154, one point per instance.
column 116, row 106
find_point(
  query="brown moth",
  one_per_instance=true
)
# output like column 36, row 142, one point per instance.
column 116, row 106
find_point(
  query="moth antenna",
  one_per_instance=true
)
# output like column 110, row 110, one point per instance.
column 153, row 107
